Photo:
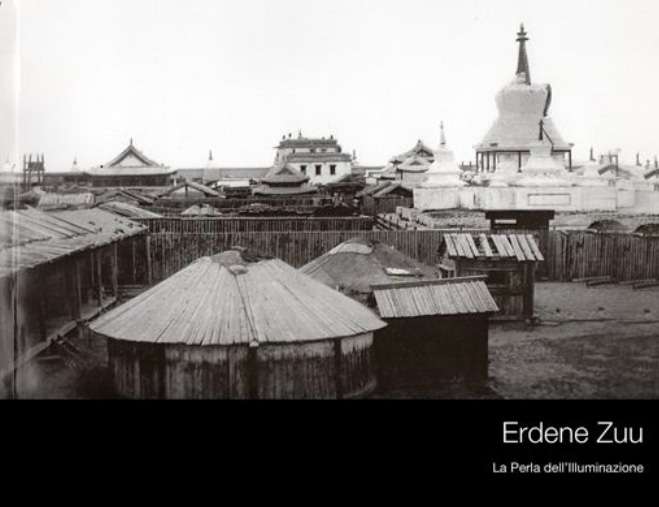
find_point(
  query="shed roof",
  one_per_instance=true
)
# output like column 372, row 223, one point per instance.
column 30, row 237
column 203, row 189
column 197, row 210
column 127, row 210
column 128, row 194
column 521, row 247
column 357, row 264
column 448, row 297
column 59, row 201
column 232, row 299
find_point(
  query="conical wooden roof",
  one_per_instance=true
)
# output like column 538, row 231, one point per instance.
column 357, row 264
column 230, row 299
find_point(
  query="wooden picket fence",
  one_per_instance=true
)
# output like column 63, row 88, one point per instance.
column 172, row 252
column 260, row 225
column 624, row 257
column 568, row 255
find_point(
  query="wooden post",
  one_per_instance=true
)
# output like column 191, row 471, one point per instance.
column 16, row 341
column 529, row 279
column 338, row 367
column 43, row 314
column 519, row 161
column 99, row 278
column 149, row 268
column 133, row 254
column 253, row 371
column 77, row 288
column 115, row 270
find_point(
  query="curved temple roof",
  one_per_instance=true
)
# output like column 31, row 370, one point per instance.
column 232, row 299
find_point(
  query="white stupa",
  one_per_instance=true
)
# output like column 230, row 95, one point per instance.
column 444, row 171
column 590, row 174
column 543, row 169
column 210, row 171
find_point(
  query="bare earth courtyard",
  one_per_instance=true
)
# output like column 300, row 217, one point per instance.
column 600, row 343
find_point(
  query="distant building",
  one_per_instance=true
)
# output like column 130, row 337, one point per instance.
column 285, row 180
column 131, row 168
column 409, row 167
column 321, row 160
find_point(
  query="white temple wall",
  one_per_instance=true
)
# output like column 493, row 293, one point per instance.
column 509, row 162
column 414, row 179
column 326, row 176
column 599, row 198
column 440, row 198
column 646, row 201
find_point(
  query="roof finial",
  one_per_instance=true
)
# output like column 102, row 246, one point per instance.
column 442, row 135
column 210, row 155
column 523, row 59
column 592, row 154
column 638, row 160
column 131, row 141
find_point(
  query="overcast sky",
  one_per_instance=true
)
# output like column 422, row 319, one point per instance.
column 183, row 77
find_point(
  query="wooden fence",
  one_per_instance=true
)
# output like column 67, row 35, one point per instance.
column 173, row 252
column 183, row 203
column 261, row 225
column 582, row 254
column 569, row 255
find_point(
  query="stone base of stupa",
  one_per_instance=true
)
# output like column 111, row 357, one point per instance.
column 558, row 198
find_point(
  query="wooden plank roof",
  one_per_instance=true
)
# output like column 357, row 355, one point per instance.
column 448, row 297
column 31, row 237
column 230, row 300
column 521, row 247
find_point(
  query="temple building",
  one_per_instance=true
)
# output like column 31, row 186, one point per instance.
column 131, row 168
column 321, row 160
column 523, row 114
column 409, row 167
column 284, row 181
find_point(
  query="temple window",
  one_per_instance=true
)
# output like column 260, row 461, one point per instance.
column 319, row 170
column 333, row 170
column 303, row 169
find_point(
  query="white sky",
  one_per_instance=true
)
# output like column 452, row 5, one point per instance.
column 182, row 77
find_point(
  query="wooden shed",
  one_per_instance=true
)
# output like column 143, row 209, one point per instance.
column 508, row 261
column 437, row 331
column 56, row 271
column 235, row 326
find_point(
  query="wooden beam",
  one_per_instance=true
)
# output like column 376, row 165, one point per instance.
column 149, row 265
column 99, row 279
column 115, row 270
column 77, row 289
column 133, row 253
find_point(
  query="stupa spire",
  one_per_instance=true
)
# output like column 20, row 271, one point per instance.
column 523, row 59
column 442, row 135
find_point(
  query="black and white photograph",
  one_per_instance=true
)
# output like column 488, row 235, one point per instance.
column 330, row 200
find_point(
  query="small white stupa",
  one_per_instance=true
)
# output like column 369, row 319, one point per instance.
column 590, row 174
column 210, row 170
column 444, row 171
column 542, row 168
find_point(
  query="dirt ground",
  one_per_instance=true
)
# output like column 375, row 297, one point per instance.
column 592, row 343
